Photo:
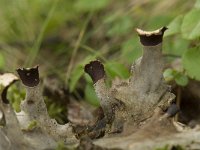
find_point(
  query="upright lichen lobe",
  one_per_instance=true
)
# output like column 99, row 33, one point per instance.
column 35, row 107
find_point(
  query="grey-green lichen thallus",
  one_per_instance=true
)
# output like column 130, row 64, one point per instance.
column 35, row 107
column 129, row 103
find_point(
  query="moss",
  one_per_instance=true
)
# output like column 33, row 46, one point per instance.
column 32, row 125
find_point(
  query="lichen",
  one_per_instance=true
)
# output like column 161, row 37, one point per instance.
column 127, row 104
column 35, row 108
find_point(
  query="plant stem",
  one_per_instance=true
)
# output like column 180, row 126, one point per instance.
column 77, row 45
column 97, row 54
column 36, row 47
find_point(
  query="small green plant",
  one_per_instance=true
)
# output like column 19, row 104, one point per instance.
column 187, row 27
column 174, row 75
column 32, row 125
column 56, row 110
column 16, row 95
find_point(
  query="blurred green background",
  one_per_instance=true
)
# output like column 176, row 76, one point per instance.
column 63, row 35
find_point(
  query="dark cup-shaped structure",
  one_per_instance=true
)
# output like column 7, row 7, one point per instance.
column 151, row 38
column 96, row 70
column 29, row 77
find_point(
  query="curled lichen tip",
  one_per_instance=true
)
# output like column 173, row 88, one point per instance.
column 6, row 80
column 151, row 38
column 95, row 69
column 29, row 76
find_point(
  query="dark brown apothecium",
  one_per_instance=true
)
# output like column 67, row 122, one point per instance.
column 151, row 38
column 29, row 77
column 96, row 70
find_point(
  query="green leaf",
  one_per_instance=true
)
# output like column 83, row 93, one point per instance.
column 153, row 22
column 191, row 62
column 75, row 76
column 114, row 69
column 191, row 25
column 169, row 75
column 90, row 95
column 121, row 26
column 180, row 46
column 77, row 72
column 176, row 48
column 91, row 5
column 131, row 50
column 175, row 26
column 181, row 79
column 2, row 61
column 88, row 78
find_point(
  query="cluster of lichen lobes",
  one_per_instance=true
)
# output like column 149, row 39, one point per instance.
column 127, row 103
column 35, row 107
